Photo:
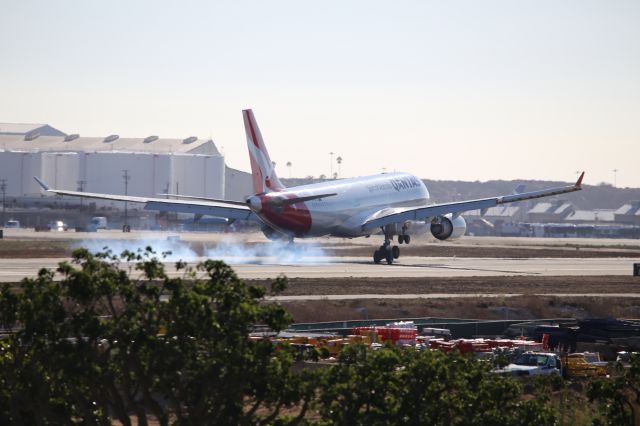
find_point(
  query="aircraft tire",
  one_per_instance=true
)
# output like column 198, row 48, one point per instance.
column 395, row 251
column 389, row 256
column 407, row 239
column 377, row 257
column 400, row 239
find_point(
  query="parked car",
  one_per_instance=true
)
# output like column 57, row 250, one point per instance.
column 58, row 225
column 12, row 223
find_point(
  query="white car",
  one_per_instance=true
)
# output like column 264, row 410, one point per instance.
column 11, row 223
column 58, row 225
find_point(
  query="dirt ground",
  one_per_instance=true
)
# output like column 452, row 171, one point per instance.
column 524, row 307
column 29, row 249
column 464, row 285
column 528, row 306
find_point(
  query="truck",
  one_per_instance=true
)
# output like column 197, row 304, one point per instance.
column 586, row 364
column 98, row 222
column 533, row 364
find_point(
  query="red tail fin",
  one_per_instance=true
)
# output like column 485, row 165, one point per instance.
column 262, row 169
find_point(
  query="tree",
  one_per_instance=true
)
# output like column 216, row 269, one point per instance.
column 100, row 344
column 116, row 338
column 395, row 386
column 618, row 398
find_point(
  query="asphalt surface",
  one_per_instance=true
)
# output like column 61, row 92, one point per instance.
column 13, row 270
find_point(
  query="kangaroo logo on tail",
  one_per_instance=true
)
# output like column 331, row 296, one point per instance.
column 262, row 170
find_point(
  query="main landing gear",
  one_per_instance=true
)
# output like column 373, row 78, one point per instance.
column 387, row 251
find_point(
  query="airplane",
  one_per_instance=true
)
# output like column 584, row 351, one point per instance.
column 390, row 204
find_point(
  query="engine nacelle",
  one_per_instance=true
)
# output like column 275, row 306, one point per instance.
column 272, row 234
column 446, row 228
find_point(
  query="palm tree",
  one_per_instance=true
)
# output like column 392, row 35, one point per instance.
column 331, row 164
column 339, row 161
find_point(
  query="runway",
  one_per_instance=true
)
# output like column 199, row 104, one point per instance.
column 13, row 270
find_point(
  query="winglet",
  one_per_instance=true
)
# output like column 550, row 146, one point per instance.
column 579, row 182
column 42, row 184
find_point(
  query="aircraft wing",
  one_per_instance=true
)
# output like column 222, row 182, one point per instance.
column 194, row 197
column 398, row 215
column 220, row 208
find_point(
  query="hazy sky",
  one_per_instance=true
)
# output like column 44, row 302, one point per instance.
column 469, row 90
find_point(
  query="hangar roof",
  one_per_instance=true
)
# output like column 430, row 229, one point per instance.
column 632, row 208
column 498, row 211
column 110, row 143
column 557, row 207
column 29, row 128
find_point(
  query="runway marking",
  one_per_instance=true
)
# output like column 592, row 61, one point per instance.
column 426, row 265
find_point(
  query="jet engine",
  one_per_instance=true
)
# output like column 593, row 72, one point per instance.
column 448, row 228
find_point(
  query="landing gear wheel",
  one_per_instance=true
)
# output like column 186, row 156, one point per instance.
column 395, row 251
column 400, row 239
column 377, row 257
column 407, row 239
column 389, row 256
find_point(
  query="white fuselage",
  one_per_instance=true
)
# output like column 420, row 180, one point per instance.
column 342, row 215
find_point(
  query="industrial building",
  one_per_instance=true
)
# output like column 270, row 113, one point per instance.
column 149, row 166
column 550, row 211
column 629, row 213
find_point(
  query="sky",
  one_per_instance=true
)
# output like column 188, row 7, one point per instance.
column 462, row 90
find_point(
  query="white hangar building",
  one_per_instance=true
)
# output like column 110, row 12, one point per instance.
column 156, row 166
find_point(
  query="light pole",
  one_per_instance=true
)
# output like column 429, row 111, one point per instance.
column 81, row 184
column 3, row 188
column 339, row 161
column 289, row 167
column 331, row 164
column 615, row 177
column 126, row 178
